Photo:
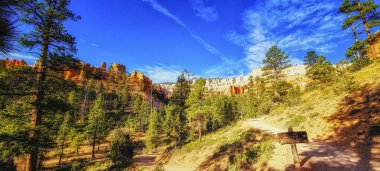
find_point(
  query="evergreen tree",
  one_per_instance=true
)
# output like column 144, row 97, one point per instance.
column 321, row 72
column 77, row 139
column 143, row 115
column 169, row 127
column 13, row 132
column 137, row 110
column 178, row 106
column 46, row 17
column 121, row 148
column 8, row 31
column 74, row 100
column 152, row 140
column 363, row 11
column 311, row 58
column 97, row 121
column 198, row 112
column 275, row 61
column 63, row 134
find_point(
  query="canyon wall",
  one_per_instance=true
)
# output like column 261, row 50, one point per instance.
column 236, row 85
column 11, row 63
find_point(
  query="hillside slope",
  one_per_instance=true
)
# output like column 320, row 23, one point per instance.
column 340, row 126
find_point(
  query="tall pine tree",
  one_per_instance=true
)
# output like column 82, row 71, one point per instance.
column 97, row 121
column 198, row 111
column 46, row 17
column 275, row 61
column 152, row 140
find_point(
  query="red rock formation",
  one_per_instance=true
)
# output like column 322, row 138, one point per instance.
column 235, row 90
column 15, row 62
column 103, row 67
column 373, row 46
column 140, row 82
column 117, row 68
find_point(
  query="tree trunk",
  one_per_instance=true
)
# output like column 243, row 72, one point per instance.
column 199, row 130
column 179, row 133
column 368, row 32
column 364, row 20
column 356, row 39
column 40, row 160
column 62, row 149
column 140, row 124
column 93, row 145
column 36, row 114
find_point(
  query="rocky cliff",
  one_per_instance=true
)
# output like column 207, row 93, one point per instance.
column 236, row 85
column 11, row 63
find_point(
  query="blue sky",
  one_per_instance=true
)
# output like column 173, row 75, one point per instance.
column 210, row 38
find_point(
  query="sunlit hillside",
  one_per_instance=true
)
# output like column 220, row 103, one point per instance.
column 232, row 85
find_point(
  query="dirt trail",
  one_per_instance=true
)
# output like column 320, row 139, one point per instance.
column 318, row 155
column 315, row 155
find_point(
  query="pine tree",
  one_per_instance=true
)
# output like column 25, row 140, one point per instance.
column 363, row 11
column 46, row 17
column 143, row 115
column 178, row 104
column 121, row 148
column 322, row 72
column 97, row 121
column 275, row 61
column 356, row 12
column 74, row 100
column 140, row 109
column 310, row 59
column 198, row 111
column 13, row 132
column 63, row 134
column 152, row 140
column 8, row 33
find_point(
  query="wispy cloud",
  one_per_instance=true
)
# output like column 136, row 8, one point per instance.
column 161, row 73
column 158, row 7
column 204, row 11
column 94, row 45
column 294, row 25
column 17, row 55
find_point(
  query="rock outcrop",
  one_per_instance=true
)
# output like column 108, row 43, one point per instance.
column 235, row 90
column 140, row 82
column 236, row 85
column 11, row 63
column 373, row 46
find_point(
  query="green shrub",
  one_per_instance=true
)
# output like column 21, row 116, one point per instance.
column 264, row 107
column 293, row 97
column 259, row 153
column 121, row 152
column 360, row 63
column 279, row 90
column 345, row 83
column 296, row 121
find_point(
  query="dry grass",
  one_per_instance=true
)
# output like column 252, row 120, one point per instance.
column 317, row 105
column 191, row 155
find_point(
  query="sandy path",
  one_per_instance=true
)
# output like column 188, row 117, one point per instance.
column 318, row 155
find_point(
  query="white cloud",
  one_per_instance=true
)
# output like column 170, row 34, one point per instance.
column 296, row 26
column 17, row 55
column 239, row 40
column 203, row 11
column 94, row 45
column 158, row 7
column 161, row 73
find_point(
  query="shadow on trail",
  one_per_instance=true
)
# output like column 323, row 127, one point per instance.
column 229, row 154
column 356, row 142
